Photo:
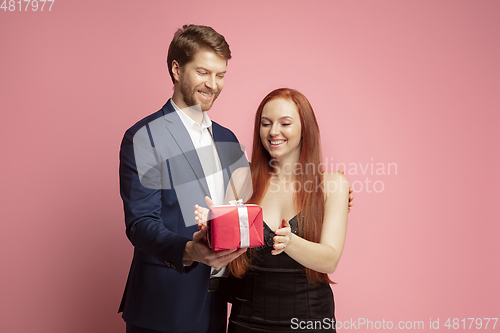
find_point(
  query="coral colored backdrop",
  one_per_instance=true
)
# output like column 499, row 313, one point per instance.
column 407, row 95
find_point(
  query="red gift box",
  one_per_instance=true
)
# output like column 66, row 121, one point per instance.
column 235, row 226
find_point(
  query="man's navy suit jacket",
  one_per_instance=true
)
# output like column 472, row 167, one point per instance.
column 161, row 179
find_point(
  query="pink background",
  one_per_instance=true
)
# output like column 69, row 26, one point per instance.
column 415, row 83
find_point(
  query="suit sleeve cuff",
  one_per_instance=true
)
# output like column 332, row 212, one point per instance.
column 174, row 259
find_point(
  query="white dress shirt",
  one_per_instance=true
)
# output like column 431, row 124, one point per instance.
column 209, row 159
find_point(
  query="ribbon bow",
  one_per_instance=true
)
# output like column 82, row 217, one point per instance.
column 236, row 202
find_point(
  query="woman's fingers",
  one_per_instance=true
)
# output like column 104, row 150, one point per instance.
column 200, row 215
column 282, row 237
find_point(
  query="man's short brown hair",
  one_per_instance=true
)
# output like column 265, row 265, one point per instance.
column 191, row 38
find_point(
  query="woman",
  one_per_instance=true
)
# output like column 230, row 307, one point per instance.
column 283, row 285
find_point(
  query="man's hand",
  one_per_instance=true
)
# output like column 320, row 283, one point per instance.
column 351, row 196
column 198, row 250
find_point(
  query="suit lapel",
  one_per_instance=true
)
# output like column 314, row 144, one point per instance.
column 181, row 137
column 222, row 147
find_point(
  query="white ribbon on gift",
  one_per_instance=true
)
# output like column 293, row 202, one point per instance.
column 244, row 225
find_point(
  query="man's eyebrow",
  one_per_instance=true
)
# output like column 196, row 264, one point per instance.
column 207, row 70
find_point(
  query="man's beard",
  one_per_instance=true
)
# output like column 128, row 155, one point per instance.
column 188, row 97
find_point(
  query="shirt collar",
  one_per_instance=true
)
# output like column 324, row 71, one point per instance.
column 190, row 123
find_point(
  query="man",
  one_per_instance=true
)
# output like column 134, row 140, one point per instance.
column 162, row 178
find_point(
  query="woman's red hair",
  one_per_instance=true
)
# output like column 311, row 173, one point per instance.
column 309, row 201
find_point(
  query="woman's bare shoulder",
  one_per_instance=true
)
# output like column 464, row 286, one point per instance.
column 335, row 182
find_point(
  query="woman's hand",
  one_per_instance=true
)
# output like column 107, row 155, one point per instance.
column 351, row 196
column 201, row 213
column 282, row 238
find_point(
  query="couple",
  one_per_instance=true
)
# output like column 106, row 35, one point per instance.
column 166, row 167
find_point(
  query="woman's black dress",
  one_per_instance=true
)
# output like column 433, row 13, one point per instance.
column 275, row 295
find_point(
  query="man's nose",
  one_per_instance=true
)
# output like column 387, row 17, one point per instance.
column 210, row 82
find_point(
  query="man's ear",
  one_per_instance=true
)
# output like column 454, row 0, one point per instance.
column 176, row 70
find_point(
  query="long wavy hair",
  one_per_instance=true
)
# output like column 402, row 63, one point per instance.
column 309, row 200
